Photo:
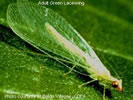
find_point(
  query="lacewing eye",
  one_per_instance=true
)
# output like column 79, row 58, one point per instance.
column 114, row 84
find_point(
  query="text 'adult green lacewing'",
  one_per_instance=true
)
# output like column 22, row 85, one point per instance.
column 47, row 31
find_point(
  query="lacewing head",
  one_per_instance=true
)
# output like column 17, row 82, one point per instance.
column 118, row 85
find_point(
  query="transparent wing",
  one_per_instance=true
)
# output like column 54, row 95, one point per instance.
column 28, row 20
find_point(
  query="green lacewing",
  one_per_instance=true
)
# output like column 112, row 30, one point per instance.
column 48, row 31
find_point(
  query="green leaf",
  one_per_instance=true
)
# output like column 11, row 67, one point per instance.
column 106, row 25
